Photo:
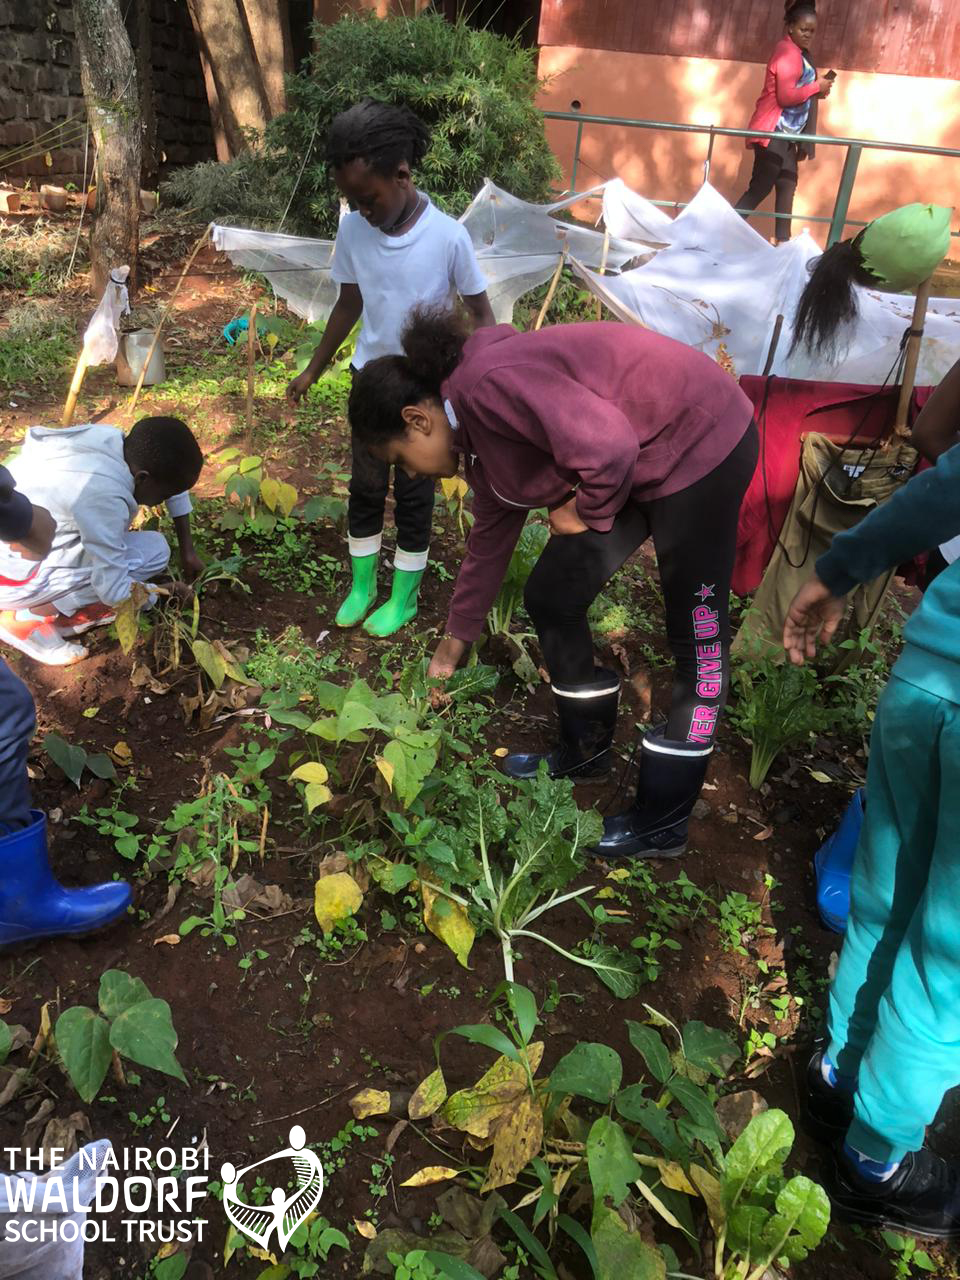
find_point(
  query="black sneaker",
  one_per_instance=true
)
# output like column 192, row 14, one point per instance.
column 922, row 1198
column 825, row 1112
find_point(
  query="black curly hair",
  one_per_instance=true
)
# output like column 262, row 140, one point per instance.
column 384, row 135
column 798, row 9
column 167, row 450
column 433, row 343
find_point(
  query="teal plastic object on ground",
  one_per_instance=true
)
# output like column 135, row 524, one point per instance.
column 833, row 863
column 240, row 326
column 904, row 247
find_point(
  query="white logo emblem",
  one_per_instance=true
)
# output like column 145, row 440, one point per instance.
column 287, row 1210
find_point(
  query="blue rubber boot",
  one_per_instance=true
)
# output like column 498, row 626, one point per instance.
column 833, row 863
column 33, row 904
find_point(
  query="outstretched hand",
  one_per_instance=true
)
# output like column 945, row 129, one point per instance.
column 813, row 616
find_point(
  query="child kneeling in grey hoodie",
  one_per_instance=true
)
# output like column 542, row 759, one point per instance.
column 92, row 479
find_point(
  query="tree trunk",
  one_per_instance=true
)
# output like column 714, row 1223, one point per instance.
column 226, row 43
column 220, row 140
column 268, row 22
column 109, row 77
column 141, row 37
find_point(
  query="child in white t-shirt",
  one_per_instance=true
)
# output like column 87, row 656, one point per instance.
column 394, row 252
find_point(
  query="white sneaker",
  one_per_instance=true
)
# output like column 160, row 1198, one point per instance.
column 38, row 638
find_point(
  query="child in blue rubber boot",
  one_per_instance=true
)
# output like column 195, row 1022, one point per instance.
column 394, row 251
column 32, row 903
column 894, row 1018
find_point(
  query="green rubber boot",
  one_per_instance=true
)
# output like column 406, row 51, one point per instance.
column 363, row 591
column 401, row 608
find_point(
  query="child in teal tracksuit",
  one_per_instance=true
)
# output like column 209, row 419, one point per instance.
column 894, row 1010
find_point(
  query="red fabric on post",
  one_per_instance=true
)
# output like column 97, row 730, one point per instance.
column 793, row 408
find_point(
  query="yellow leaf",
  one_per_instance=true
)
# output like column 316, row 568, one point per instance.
column 126, row 624
column 454, row 487
column 167, row 1250
column 478, row 1110
column 90, row 712
column 673, row 1176
column 211, row 661
column 709, row 1188
column 429, row 1095
column 386, row 768
column 431, row 1174
column 171, row 940
column 449, row 922
column 48, row 159
column 502, row 751
column 365, row 1229
column 286, row 497
column 270, row 491
column 122, row 753
column 334, row 898
column 518, row 1140
column 313, row 771
column 369, row 1102
column 658, row 1204
column 316, row 793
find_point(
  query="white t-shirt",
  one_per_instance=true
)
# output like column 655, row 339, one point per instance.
column 431, row 263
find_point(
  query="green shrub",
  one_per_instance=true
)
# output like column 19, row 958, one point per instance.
column 473, row 88
column 38, row 344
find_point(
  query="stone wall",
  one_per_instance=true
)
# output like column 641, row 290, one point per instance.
column 40, row 88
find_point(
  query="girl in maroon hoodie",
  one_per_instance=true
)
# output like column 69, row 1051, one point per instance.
column 622, row 435
column 788, row 105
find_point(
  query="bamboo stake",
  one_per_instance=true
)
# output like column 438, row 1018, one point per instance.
column 251, row 353
column 912, row 357
column 603, row 267
column 78, row 376
column 166, row 311
column 551, row 291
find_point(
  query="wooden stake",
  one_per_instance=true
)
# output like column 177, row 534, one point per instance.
column 912, row 358
column 603, row 267
column 166, row 311
column 78, row 376
column 251, row 353
column 551, row 291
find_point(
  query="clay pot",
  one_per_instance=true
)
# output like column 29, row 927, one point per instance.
column 149, row 201
column 90, row 199
column 53, row 198
column 9, row 201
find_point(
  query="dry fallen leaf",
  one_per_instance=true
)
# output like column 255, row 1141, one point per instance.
column 365, row 1229
column 502, row 751
column 171, row 940
column 370, row 1102
column 5, row 1006
column 431, row 1174
column 765, row 834
column 122, row 753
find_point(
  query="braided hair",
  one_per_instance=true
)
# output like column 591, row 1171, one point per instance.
column 383, row 135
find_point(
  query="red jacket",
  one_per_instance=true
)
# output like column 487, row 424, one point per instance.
column 612, row 411
column 780, row 90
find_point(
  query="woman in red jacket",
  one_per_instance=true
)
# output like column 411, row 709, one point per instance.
column 787, row 105
column 622, row 435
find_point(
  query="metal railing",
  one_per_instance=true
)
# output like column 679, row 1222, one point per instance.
column 855, row 148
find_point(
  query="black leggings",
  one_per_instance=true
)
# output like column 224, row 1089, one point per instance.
column 695, row 538
column 413, row 498
column 774, row 166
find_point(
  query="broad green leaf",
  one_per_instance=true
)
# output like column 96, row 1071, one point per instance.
column 589, row 1070
column 481, row 1033
column 577, row 1233
column 623, row 1254
column 696, row 1102
column 392, row 877
column 101, row 766
column 523, row 1005
column 709, row 1049
column 610, row 1159
column 119, row 991
column 172, row 1268
column 70, row 759
column 745, row 1230
column 534, row 1248
column 654, row 1121
column 144, row 1033
column 451, row 1268
column 760, row 1149
column 410, row 765
column 800, row 1223
column 649, row 1044
column 6, row 1040
column 83, row 1039
column 618, row 970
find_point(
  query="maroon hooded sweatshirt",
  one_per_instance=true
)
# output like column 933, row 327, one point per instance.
column 613, row 412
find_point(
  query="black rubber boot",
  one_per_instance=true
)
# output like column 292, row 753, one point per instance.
column 671, row 775
column 588, row 717
column 825, row 1112
column 922, row 1197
